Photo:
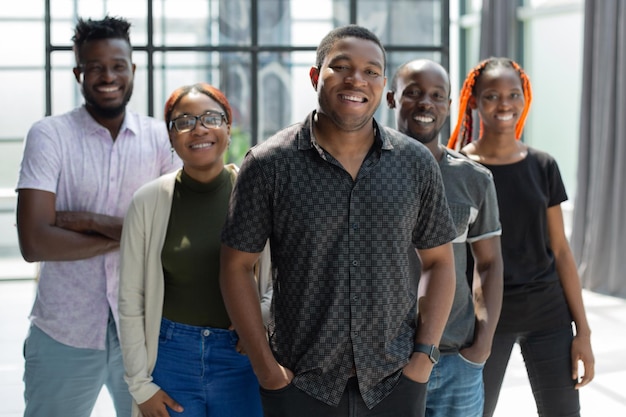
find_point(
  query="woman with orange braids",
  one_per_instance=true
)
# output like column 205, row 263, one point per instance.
column 542, row 292
column 180, row 353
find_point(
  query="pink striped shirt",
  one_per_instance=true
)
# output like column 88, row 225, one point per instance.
column 74, row 157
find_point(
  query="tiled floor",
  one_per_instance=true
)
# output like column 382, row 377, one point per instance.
column 605, row 396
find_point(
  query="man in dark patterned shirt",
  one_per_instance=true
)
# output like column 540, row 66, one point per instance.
column 342, row 199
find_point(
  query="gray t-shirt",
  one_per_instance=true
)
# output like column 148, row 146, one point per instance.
column 473, row 204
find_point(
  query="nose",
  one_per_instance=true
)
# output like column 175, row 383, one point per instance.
column 108, row 73
column 424, row 101
column 355, row 78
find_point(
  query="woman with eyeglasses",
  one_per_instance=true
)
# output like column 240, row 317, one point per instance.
column 180, row 352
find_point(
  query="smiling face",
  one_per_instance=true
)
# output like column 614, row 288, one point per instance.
column 201, row 149
column 421, row 100
column 499, row 99
column 105, row 72
column 350, row 83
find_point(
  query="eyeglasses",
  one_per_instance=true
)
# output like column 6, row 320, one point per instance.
column 188, row 122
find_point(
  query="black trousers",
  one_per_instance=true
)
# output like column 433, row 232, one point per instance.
column 408, row 399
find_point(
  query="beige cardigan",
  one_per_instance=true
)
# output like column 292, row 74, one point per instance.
column 141, row 283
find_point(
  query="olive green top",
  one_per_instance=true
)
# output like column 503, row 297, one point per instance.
column 191, row 251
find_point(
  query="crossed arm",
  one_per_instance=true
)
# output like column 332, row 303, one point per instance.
column 47, row 235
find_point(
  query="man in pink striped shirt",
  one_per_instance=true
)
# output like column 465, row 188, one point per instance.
column 78, row 174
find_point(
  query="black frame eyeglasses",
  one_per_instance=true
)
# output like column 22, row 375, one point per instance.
column 188, row 122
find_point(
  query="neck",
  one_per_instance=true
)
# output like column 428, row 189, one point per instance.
column 338, row 141
column 112, row 124
column 498, row 149
column 435, row 148
column 204, row 175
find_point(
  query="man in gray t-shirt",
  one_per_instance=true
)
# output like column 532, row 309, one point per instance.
column 420, row 96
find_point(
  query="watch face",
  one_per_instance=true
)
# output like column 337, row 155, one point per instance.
column 434, row 356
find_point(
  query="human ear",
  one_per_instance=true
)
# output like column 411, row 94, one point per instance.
column 314, row 74
column 472, row 102
column 77, row 72
column 391, row 102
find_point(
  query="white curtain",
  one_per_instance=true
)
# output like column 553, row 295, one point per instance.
column 599, row 228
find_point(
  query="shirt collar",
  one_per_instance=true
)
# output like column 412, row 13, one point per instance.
column 306, row 138
column 91, row 125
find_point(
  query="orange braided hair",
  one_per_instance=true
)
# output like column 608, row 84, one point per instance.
column 464, row 129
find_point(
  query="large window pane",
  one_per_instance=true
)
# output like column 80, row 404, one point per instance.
column 17, row 10
column 22, row 43
column 63, row 15
column 202, row 22
column 24, row 101
column 403, row 22
column 299, row 23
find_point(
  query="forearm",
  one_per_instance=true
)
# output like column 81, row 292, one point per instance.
column 435, row 297
column 90, row 223
column 242, row 303
column 570, row 281
column 487, row 293
column 488, row 289
column 55, row 244
column 47, row 235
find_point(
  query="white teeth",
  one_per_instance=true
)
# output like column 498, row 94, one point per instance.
column 504, row 117
column 201, row 145
column 353, row 98
column 424, row 119
column 107, row 89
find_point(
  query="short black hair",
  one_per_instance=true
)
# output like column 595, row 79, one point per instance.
column 348, row 31
column 107, row 28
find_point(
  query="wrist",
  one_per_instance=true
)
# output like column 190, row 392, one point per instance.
column 431, row 351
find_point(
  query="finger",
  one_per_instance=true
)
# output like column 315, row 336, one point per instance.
column 174, row 405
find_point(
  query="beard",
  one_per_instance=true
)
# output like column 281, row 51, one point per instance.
column 425, row 138
column 108, row 112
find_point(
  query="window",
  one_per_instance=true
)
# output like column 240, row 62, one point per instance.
column 258, row 52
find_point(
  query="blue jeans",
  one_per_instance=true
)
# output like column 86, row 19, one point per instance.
column 200, row 369
column 547, row 357
column 64, row 381
column 455, row 388
column 406, row 400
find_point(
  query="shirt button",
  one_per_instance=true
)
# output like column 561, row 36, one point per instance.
column 206, row 332
column 355, row 298
column 355, row 263
column 355, row 226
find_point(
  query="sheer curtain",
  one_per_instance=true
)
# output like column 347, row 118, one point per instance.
column 497, row 28
column 599, row 228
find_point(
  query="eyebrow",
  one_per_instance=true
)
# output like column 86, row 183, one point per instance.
column 347, row 57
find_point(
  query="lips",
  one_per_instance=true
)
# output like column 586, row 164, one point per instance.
column 504, row 117
column 424, row 119
column 352, row 98
column 107, row 89
column 202, row 145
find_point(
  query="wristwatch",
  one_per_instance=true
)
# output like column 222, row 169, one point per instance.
column 430, row 350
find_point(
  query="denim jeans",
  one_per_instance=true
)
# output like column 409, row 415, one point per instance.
column 64, row 381
column 547, row 357
column 406, row 400
column 455, row 388
column 200, row 369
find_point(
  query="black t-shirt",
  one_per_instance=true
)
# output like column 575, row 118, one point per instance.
column 533, row 296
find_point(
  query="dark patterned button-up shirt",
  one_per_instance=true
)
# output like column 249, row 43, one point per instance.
column 342, row 294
